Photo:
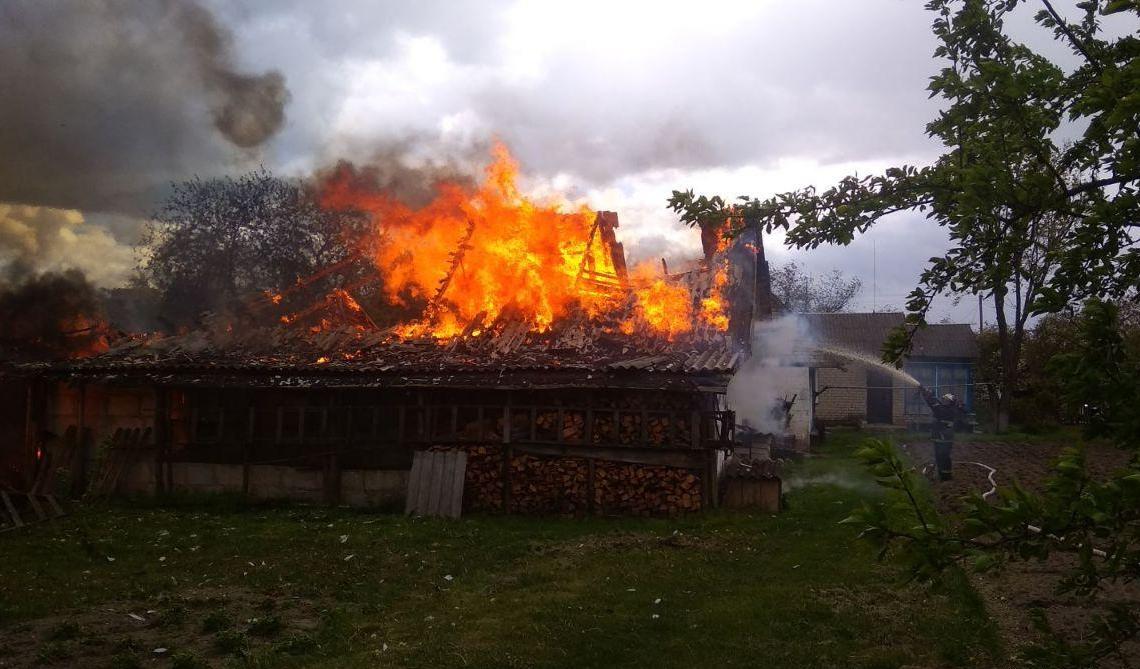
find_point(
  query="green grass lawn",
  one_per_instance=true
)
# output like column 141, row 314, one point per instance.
column 219, row 584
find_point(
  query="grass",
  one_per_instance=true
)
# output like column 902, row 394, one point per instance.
column 794, row 590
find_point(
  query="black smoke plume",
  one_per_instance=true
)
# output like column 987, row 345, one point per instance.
column 50, row 316
column 104, row 102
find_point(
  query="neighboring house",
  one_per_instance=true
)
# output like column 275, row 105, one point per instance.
column 850, row 391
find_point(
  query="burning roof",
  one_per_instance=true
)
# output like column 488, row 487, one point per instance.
column 494, row 280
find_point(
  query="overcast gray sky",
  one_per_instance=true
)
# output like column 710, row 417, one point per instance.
column 615, row 103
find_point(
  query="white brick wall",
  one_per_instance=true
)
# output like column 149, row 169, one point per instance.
column 844, row 405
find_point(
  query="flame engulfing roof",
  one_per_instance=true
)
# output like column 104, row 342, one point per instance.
column 480, row 280
column 335, row 339
column 579, row 344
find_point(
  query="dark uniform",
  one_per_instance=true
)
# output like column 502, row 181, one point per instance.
column 947, row 411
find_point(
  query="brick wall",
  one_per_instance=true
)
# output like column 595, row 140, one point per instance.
column 849, row 405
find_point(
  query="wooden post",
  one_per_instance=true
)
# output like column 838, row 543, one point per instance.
column 161, row 436
column 711, row 484
column 695, row 430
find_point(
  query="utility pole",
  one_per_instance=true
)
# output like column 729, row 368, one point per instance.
column 980, row 323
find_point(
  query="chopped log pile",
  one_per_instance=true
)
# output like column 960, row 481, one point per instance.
column 646, row 490
column 555, row 485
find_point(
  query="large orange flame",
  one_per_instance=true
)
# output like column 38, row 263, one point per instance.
column 493, row 248
column 474, row 254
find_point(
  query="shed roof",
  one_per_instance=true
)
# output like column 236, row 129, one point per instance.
column 866, row 332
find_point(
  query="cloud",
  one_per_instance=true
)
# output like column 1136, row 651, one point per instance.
column 105, row 102
column 600, row 90
column 34, row 240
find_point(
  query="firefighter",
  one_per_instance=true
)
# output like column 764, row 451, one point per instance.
column 947, row 411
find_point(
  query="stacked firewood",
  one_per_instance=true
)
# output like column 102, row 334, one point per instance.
column 548, row 485
column 571, row 429
column 482, row 486
column 542, row 485
column 645, row 490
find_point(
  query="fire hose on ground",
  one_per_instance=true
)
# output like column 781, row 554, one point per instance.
column 1032, row 528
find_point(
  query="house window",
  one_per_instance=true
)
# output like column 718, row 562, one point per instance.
column 940, row 378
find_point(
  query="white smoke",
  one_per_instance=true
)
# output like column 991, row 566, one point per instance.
column 776, row 372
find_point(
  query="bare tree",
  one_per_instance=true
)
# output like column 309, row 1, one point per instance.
column 214, row 243
column 803, row 293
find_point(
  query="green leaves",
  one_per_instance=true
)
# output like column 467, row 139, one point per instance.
column 1057, row 222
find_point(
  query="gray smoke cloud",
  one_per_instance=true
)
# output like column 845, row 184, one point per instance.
column 42, row 239
column 774, row 373
column 104, row 102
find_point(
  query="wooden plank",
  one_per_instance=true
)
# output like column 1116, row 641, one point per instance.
column 425, row 482
column 436, row 483
column 414, row 483
column 55, row 507
column 438, row 471
column 442, row 490
column 11, row 509
column 437, row 463
column 419, row 463
column 40, row 515
column 711, row 476
column 455, row 508
column 447, row 485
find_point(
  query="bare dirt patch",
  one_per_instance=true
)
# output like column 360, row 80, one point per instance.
column 1011, row 592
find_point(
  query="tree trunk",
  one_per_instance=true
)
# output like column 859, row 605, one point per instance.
column 1008, row 361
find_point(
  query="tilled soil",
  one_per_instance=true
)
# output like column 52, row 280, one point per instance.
column 1011, row 592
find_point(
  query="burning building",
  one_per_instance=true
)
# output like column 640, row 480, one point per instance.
column 573, row 383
